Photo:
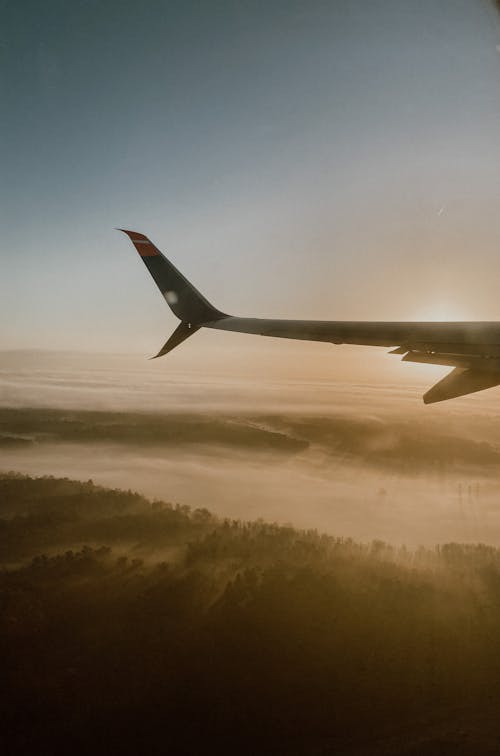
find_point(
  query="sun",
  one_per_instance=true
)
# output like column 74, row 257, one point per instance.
column 441, row 312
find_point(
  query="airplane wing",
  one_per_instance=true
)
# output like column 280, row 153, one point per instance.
column 471, row 348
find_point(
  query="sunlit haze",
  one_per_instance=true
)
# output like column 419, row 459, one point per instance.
column 316, row 160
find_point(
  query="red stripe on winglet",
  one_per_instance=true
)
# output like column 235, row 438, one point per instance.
column 142, row 244
column 146, row 250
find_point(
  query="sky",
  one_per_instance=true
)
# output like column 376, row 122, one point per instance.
column 332, row 160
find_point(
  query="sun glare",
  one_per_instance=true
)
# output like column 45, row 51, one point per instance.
column 442, row 312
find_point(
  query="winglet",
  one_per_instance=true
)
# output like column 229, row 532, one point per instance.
column 185, row 301
column 461, row 381
column 181, row 333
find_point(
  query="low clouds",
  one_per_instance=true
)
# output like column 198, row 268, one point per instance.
column 367, row 461
column 351, row 473
column 403, row 447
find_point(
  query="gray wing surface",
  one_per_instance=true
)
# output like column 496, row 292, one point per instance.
column 472, row 348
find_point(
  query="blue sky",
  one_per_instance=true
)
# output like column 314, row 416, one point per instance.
column 297, row 159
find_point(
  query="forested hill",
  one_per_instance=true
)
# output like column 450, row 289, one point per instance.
column 137, row 626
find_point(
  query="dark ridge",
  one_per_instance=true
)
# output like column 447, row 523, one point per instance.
column 406, row 446
column 141, row 429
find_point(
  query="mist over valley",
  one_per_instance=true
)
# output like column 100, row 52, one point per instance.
column 365, row 461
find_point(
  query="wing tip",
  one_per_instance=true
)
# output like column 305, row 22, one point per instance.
column 143, row 245
column 132, row 235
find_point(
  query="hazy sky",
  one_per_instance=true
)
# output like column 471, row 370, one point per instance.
column 298, row 159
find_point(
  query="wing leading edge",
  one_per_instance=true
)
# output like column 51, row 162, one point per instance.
column 472, row 348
